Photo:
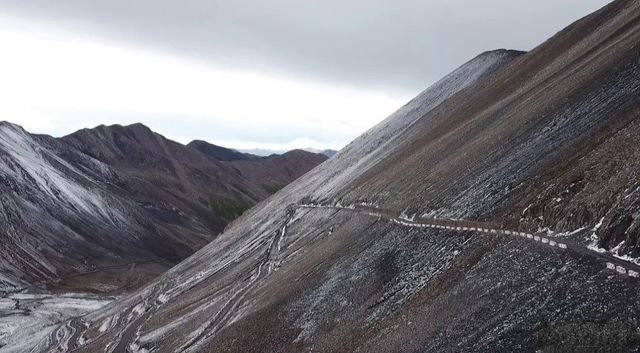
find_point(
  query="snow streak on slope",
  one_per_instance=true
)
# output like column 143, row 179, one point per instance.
column 26, row 162
column 377, row 143
column 28, row 318
column 65, row 220
column 44, row 201
column 72, row 221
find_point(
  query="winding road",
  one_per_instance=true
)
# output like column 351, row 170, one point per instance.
column 492, row 228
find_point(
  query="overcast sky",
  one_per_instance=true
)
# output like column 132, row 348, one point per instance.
column 276, row 74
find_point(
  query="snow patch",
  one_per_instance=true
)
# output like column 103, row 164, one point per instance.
column 31, row 163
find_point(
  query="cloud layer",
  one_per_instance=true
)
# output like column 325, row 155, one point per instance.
column 403, row 43
column 248, row 73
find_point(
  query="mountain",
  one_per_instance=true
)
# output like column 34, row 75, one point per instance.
column 329, row 153
column 261, row 152
column 272, row 172
column 161, row 169
column 109, row 208
column 266, row 152
column 495, row 212
column 220, row 153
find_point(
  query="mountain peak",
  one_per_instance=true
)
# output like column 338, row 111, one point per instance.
column 12, row 126
column 135, row 128
column 501, row 51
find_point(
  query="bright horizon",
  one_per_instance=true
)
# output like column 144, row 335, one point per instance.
column 130, row 90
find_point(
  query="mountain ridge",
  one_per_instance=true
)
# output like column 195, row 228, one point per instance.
column 108, row 197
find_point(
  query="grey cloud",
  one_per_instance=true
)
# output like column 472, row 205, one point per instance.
column 399, row 45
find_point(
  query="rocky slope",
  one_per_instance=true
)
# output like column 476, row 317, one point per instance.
column 542, row 143
column 110, row 208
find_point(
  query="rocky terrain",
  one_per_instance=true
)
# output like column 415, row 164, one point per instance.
column 28, row 317
column 535, row 154
column 109, row 208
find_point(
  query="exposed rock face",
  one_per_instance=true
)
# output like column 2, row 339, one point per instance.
column 547, row 139
column 112, row 207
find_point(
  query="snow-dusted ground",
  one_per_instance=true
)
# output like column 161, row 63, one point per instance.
column 378, row 142
column 29, row 162
column 28, row 318
column 43, row 194
column 64, row 213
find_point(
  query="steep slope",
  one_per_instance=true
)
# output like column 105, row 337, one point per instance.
column 110, row 207
column 541, row 145
column 61, row 219
column 154, row 168
column 254, row 233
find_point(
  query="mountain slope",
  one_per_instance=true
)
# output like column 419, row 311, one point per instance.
column 156, row 168
column 61, row 218
column 543, row 144
column 276, row 171
column 219, row 153
column 109, row 207
column 215, row 183
column 271, row 172
column 254, row 232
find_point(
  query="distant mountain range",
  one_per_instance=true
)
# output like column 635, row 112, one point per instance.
column 266, row 152
column 113, row 196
